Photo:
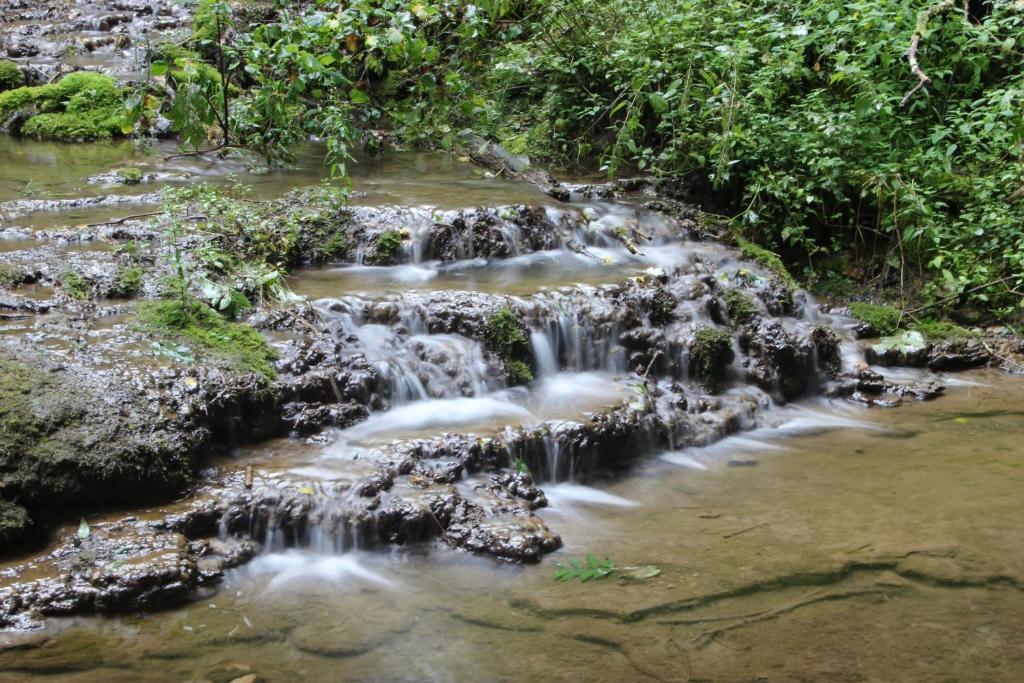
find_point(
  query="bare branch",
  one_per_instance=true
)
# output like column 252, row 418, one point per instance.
column 923, row 18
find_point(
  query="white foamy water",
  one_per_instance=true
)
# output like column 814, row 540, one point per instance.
column 296, row 567
column 566, row 494
column 441, row 414
column 566, row 391
column 701, row 458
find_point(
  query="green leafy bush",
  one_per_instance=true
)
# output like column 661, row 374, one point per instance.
column 800, row 120
column 11, row 76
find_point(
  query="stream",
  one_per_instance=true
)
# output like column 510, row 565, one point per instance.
column 772, row 531
column 835, row 540
column 864, row 545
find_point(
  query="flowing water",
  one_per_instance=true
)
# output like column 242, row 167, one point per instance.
column 864, row 545
column 832, row 542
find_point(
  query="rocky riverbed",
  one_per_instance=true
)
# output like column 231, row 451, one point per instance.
column 685, row 343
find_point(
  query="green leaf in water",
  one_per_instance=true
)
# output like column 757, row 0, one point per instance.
column 83, row 529
column 587, row 570
column 648, row 571
column 904, row 342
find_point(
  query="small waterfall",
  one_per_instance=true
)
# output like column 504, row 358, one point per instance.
column 579, row 334
column 543, row 353
column 414, row 365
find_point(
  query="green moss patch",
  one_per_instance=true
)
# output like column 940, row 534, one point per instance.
column 76, row 286
column 711, row 353
column 66, row 441
column 81, row 106
column 11, row 276
column 389, row 244
column 128, row 282
column 207, row 332
column 885, row 319
column 129, row 176
column 505, row 336
column 766, row 259
column 739, row 306
column 943, row 330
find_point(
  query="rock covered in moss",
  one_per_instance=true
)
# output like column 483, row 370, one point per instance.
column 739, row 306
column 81, row 106
column 71, row 439
column 505, row 335
column 876, row 320
column 711, row 353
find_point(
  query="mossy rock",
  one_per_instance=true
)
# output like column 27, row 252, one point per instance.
column 12, row 276
column 11, row 76
column 208, row 333
column 127, row 283
column 387, row 248
column 81, row 106
column 505, row 336
column 711, row 353
column 943, row 330
column 767, row 259
column 66, row 439
column 130, row 175
column 885, row 320
column 740, row 307
column 75, row 285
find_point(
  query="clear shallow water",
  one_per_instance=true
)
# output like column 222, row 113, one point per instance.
column 864, row 545
column 55, row 170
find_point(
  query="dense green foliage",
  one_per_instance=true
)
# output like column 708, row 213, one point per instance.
column 799, row 120
column 239, row 250
column 792, row 115
column 10, row 76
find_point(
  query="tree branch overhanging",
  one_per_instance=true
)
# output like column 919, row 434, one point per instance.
column 923, row 19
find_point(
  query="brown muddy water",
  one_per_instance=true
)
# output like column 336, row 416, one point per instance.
column 863, row 545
